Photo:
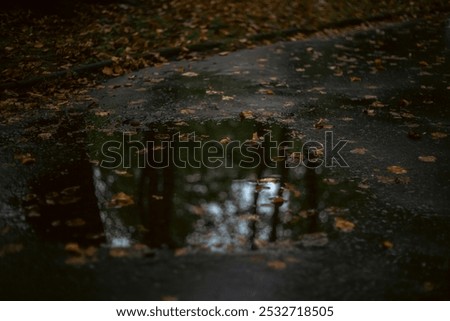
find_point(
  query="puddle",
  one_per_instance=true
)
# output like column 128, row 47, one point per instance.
column 227, row 186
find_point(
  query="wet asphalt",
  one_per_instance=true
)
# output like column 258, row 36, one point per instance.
column 376, row 229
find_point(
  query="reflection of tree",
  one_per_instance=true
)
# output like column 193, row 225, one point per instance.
column 64, row 207
column 155, row 201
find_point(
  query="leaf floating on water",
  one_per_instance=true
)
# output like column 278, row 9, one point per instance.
column 427, row 159
column 25, row 159
column 278, row 200
column 397, row 169
column 343, row 225
column 225, row 140
column 181, row 251
column 118, row 252
column 276, row 265
column 438, row 135
column 120, row 200
column 76, row 260
column 388, row 244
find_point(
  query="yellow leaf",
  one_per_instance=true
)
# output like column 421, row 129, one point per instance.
column 343, row 225
column 388, row 244
column 397, row 169
column 427, row 159
column 246, row 114
column 121, row 199
column 438, row 135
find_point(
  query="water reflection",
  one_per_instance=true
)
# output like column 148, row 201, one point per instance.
column 222, row 208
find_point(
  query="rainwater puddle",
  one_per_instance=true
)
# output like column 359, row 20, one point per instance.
column 227, row 186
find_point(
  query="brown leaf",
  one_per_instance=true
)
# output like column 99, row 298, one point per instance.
column 359, row 151
column 246, row 114
column 438, row 135
column 76, row 260
column 343, row 225
column 187, row 111
column 388, row 244
column 276, row 265
column 25, row 159
column 118, row 252
column 107, row 71
column 181, row 251
column 121, row 199
column 397, row 169
column 278, row 200
column 427, row 159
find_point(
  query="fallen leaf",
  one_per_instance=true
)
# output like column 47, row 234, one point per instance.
column 246, row 114
column 397, row 169
column 226, row 98
column 76, row 260
column 189, row 74
column 278, row 200
column 45, row 136
column 101, row 113
column 427, row 159
column 343, row 225
column 121, row 199
column 266, row 92
column 388, row 244
column 187, row 111
column 25, row 159
column 276, row 265
column 438, row 135
column 73, row 248
column 359, row 151
column 107, row 71
column 118, row 252
column 181, row 251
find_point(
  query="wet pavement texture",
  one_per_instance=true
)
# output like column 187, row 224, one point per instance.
column 193, row 180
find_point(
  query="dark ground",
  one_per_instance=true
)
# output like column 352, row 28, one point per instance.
column 377, row 230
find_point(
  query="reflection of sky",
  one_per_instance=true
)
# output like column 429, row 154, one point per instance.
column 226, row 225
column 116, row 233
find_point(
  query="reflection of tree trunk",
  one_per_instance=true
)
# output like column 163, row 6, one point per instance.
column 276, row 212
column 311, row 201
column 155, row 203
column 66, row 208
